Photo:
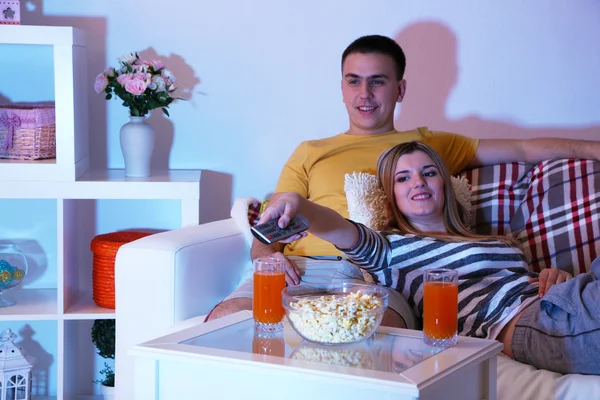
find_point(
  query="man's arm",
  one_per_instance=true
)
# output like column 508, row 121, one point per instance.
column 258, row 250
column 532, row 151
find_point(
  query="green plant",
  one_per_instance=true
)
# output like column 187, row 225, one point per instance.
column 103, row 336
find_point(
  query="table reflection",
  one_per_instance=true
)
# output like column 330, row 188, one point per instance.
column 268, row 343
column 393, row 353
column 359, row 356
column 381, row 352
column 398, row 353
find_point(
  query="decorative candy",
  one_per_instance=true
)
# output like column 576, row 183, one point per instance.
column 19, row 274
column 9, row 274
column 5, row 275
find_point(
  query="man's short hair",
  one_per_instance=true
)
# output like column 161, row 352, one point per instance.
column 380, row 45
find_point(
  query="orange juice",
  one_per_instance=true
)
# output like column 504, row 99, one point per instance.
column 440, row 309
column 267, row 306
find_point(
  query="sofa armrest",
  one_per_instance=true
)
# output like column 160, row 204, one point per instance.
column 169, row 277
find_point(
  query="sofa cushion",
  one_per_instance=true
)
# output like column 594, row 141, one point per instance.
column 551, row 208
column 366, row 199
column 524, row 382
column 496, row 193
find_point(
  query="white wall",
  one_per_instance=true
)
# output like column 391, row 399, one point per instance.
column 262, row 76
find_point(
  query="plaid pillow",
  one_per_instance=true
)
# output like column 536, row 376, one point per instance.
column 551, row 208
column 254, row 211
column 496, row 192
column 558, row 219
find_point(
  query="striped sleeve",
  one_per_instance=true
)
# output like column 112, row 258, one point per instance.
column 372, row 250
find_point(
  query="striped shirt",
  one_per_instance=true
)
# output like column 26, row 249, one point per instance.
column 493, row 280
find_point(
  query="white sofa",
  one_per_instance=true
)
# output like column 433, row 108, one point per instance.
column 165, row 281
column 174, row 278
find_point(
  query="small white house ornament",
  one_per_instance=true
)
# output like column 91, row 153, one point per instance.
column 10, row 12
column 15, row 369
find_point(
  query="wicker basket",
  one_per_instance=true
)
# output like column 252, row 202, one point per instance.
column 105, row 249
column 27, row 131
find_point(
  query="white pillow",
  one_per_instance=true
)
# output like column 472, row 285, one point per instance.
column 366, row 199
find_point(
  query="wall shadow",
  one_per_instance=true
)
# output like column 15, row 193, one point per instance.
column 163, row 127
column 78, row 246
column 40, row 374
column 32, row 13
column 432, row 73
column 4, row 100
column 215, row 196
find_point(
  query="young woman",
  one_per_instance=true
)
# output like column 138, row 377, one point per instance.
column 548, row 320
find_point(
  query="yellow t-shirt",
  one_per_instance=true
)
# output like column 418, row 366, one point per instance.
column 316, row 170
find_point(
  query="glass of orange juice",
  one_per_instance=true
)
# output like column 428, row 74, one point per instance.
column 440, row 307
column 269, row 281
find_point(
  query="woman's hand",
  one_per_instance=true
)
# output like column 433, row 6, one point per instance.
column 283, row 206
column 324, row 222
column 549, row 277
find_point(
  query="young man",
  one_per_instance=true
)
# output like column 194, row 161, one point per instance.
column 372, row 83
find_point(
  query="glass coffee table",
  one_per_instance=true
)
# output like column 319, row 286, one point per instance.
column 225, row 359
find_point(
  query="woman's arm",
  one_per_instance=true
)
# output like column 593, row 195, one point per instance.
column 324, row 222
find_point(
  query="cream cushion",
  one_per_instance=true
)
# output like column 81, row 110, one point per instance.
column 366, row 200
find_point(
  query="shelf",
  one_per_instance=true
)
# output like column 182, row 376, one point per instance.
column 164, row 184
column 44, row 35
column 74, row 202
column 85, row 308
column 111, row 184
column 69, row 60
column 32, row 304
column 27, row 163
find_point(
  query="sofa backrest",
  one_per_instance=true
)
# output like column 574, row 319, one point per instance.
column 551, row 208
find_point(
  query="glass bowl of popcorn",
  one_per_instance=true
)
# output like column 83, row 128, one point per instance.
column 335, row 313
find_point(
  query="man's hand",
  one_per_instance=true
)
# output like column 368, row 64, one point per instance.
column 549, row 277
column 292, row 272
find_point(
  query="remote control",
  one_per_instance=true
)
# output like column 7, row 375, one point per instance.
column 269, row 232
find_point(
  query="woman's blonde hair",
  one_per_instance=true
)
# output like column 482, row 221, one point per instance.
column 453, row 211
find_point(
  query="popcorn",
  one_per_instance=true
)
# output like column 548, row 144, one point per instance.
column 336, row 319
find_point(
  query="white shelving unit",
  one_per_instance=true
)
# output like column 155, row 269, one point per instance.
column 70, row 95
column 76, row 191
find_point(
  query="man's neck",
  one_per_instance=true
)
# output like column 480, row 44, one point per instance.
column 363, row 132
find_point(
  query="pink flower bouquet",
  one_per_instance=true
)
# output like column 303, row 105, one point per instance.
column 142, row 85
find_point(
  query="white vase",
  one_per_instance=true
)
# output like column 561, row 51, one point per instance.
column 137, row 144
column 108, row 392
